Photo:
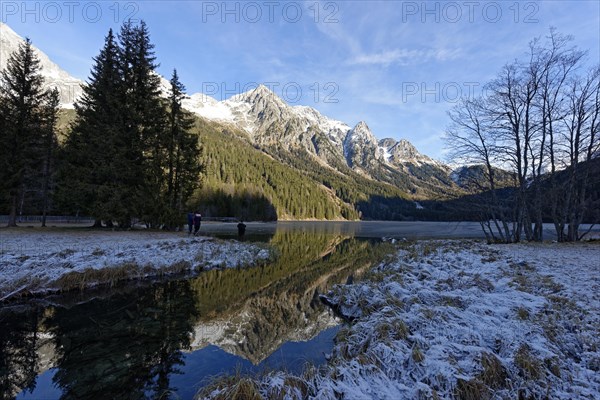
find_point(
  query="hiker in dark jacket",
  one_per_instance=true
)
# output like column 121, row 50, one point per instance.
column 190, row 217
column 241, row 228
column 197, row 222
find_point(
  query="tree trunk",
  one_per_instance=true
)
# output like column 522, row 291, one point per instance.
column 12, row 217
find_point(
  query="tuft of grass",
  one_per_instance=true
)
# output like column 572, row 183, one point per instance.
column 416, row 354
column 522, row 313
column 472, row 389
column 292, row 388
column 452, row 301
column 494, row 374
column 529, row 366
column 482, row 283
column 65, row 253
column 428, row 313
column 548, row 283
column 394, row 329
column 98, row 252
column 552, row 363
column 231, row 388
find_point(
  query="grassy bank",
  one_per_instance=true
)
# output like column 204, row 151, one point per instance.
column 36, row 261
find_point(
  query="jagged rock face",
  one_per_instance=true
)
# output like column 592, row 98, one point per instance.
column 403, row 151
column 387, row 143
column 54, row 77
column 361, row 148
column 272, row 123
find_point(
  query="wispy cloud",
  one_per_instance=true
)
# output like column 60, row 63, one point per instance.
column 405, row 57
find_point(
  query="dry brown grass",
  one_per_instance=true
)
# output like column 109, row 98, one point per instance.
column 494, row 374
column 529, row 366
column 522, row 313
column 113, row 275
column 417, row 355
column 232, row 388
column 472, row 389
column 107, row 276
column 292, row 387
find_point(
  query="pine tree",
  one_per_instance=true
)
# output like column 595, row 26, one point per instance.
column 90, row 175
column 130, row 153
column 183, row 154
column 143, row 143
column 22, row 96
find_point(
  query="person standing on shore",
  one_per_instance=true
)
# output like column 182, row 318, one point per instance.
column 241, row 229
column 190, row 220
column 197, row 222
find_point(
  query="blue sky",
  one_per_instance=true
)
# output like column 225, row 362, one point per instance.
column 398, row 65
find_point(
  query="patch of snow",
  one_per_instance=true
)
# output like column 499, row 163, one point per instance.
column 207, row 107
column 385, row 153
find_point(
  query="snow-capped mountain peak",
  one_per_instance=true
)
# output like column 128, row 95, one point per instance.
column 360, row 147
column 68, row 86
column 260, row 93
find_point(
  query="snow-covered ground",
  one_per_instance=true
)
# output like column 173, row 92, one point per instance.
column 34, row 261
column 461, row 319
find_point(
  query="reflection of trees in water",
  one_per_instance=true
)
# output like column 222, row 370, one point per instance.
column 124, row 347
column 218, row 291
column 18, row 351
column 266, row 306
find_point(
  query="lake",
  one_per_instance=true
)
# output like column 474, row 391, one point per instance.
column 167, row 339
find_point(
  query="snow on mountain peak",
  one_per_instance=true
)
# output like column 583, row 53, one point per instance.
column 54, row 77
column 261, row 92
column 362, row 133
column 207, row 107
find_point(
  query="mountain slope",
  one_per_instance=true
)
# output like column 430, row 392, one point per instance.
column 68, row 86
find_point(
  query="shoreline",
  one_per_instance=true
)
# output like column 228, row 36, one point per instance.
column 38, row 262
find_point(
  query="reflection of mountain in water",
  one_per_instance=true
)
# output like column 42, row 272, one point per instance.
column 279, row 302
column 127, row 343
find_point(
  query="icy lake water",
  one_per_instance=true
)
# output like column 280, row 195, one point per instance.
column 167, row 339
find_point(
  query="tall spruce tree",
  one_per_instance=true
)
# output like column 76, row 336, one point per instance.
column 183, row 154
column 22, row 98
column 143, row 143
column 90, row 177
